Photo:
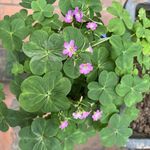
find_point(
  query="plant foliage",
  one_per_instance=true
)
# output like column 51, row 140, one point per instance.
column 74, row 76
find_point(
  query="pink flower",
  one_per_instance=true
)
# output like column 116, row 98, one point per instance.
column 63, row 124
column 78, row 14
column 91, row 25
column 86, row 68
column 89, row 49
column 97, row 115
column 77, row 115
column 80, row 115
column 70, row 48
column 69, row 16
column 85, row 114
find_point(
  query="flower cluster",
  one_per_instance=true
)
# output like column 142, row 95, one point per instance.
column 74, row 13
column 82, row 115
column 79, row 18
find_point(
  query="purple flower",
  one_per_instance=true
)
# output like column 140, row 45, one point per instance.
column 86, row 68
column 89, row 49
column 91, row 25
column 97, row 115
column 63, row 124
column 70, row 48
column 69, row 16
column 78, row 14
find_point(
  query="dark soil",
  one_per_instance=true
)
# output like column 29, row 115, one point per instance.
column 141, row 126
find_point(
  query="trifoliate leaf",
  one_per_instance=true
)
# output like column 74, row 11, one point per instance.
column 77, row 137
column 12, row 32
column 41, row 10
column 122, row 21
column 40, row 136
column 124, row 51
column 117, row 132
column 131, row 88
column 47, row 94
column 45, row 52
column 116, row 26
column 101, row 61
column 103, row 90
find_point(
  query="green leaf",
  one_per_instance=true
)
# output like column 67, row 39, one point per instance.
column 12, row 32
column 2, row 95
column 103, row 90
column 65, row 5
column 40, row 136
column 47, row 94
column 108, row 110
column 19, row 118
column 17, row 68
column 117, row 132
column 131, row 88
column 53, row 22
column 77, row 136
column 146, row 49
column 116, row 26
column 71, row 33
column 94, row 5
column 124, row 51
column 3, row 113
column 131, row 113
column 45, row 52
column 101, row 61
column 41, row 10
column 122, row 20
column 71, row 68
column 26, row 3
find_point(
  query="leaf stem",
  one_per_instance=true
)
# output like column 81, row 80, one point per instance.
column 101, row 41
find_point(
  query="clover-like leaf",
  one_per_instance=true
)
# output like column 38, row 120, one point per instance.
column 124, row 51
column 101, row 61
column 117, row 132
column 40, row 136
column 116, row 26
column 131, row 88
column 12, row 32
column 122, row 20
column 104, row 89
column 108, row 110
column 47, row 94
column 45, row 52
column 41, row 10
column 3, row 113
column 77, row 136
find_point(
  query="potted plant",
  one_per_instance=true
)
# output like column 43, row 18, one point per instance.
column 74, row 77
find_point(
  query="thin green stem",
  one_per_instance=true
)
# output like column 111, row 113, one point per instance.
column 106, row 39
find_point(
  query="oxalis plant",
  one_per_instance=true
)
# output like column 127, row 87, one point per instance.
column 74, row 77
